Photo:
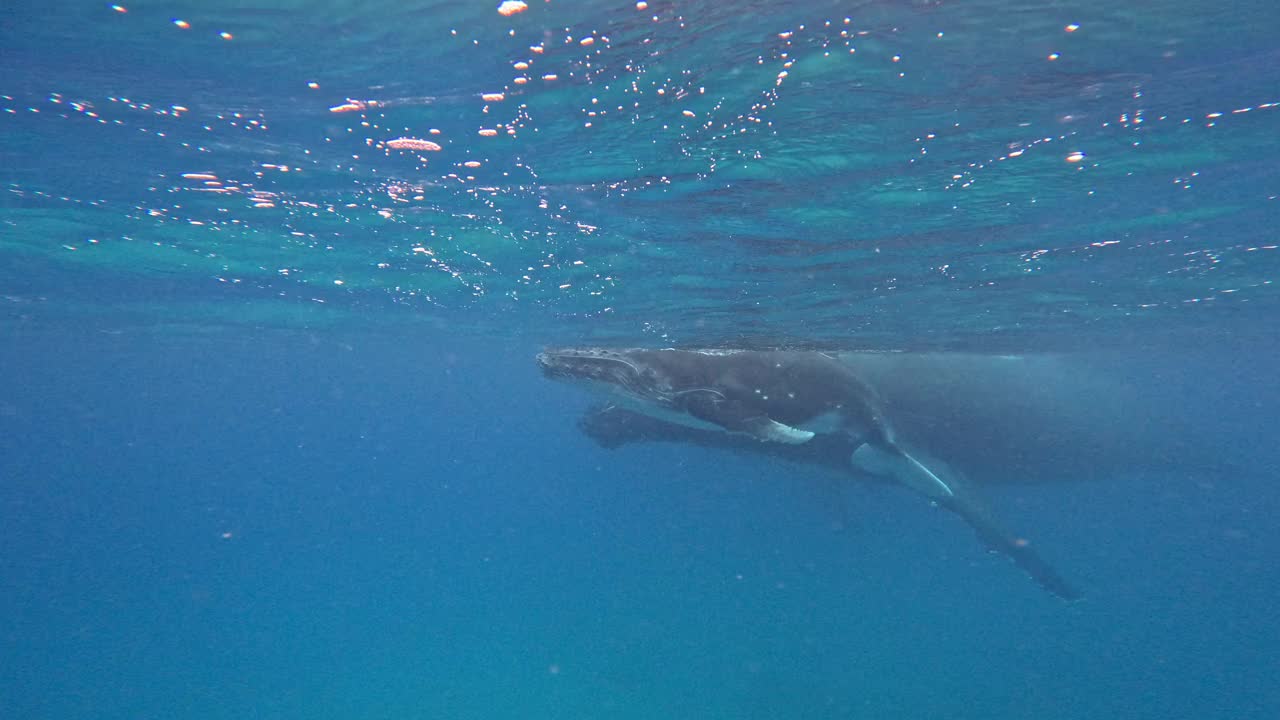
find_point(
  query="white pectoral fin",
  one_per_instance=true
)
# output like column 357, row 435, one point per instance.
column 901, row 466
column 926, row 477
column 767, row 430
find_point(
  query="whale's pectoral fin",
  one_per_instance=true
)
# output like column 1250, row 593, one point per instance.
column 953, row 493
column 714, row 407
column 898, row 464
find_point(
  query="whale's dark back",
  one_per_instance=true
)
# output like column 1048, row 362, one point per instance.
column 790, row 387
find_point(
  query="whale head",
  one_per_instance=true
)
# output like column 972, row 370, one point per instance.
column 604, row 368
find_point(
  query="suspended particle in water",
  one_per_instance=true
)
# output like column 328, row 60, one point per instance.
column 511, row 7
column 406, row 143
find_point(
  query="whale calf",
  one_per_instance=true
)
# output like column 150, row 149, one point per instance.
column 773, row 396
column 804, row 406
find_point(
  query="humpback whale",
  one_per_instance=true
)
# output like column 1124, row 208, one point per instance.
column 803, row 406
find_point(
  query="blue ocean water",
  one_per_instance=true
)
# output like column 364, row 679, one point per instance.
column 273, row 275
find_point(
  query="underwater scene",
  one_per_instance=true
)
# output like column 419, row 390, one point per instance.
column 537, row 359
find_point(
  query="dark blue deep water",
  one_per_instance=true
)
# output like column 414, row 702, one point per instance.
column 273, row 443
